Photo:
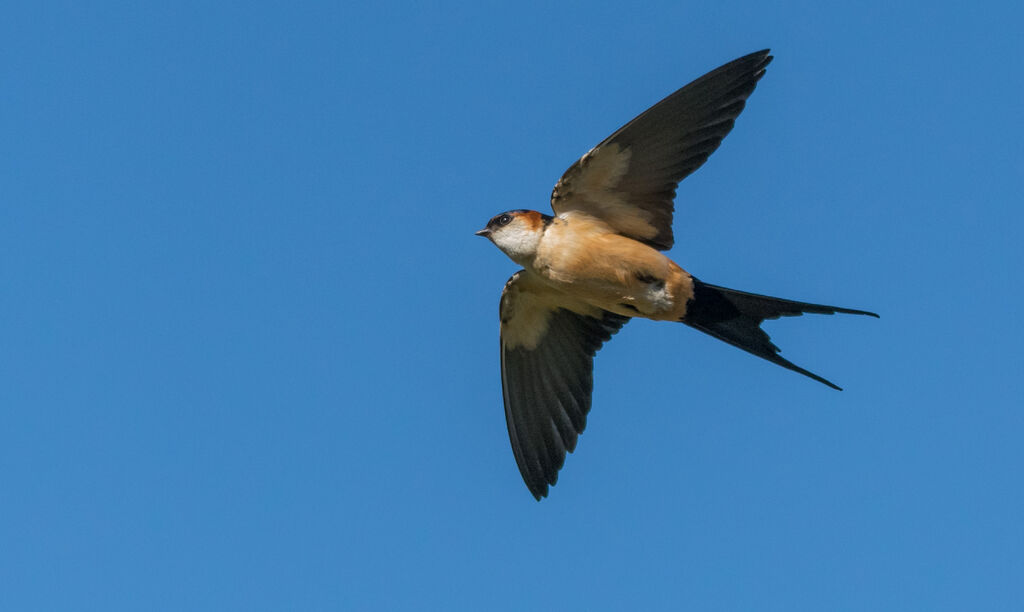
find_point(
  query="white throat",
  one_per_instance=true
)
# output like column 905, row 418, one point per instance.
column 518, row 242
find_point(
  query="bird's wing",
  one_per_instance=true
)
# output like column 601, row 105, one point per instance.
column 548, row 342
column 629, row 180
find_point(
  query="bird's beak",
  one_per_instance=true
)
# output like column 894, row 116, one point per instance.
column 486, row 233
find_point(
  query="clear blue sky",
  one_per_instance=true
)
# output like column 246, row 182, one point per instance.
column 248, row 341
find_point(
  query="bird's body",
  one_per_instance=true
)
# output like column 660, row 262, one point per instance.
column 580, row 256
column 598, row 262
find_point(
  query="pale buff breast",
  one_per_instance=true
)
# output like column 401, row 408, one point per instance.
column 584, row 257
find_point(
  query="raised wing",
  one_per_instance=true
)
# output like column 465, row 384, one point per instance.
column 629, row 180
column 548, row 342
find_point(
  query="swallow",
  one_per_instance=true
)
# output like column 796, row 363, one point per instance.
column 598, row 262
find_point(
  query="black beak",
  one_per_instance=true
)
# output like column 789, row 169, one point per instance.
column 486, row 233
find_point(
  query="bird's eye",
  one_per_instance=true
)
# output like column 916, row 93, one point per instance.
column 504, row 219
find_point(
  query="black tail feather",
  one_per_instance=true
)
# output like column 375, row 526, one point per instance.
column 735, row 317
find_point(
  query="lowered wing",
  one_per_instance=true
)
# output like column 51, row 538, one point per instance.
column 548, row 342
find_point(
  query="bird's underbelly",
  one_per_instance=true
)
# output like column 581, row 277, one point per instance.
column 634, row 283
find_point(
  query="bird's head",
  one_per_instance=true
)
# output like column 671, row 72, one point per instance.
column 517, row 233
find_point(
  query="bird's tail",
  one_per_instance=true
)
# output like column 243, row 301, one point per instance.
column 735, row 317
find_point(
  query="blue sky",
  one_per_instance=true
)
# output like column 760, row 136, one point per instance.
column 248, row 341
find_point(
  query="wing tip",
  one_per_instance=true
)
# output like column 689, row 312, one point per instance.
column 765, row 55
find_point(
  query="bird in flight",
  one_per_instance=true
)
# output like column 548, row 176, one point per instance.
column 598, row 262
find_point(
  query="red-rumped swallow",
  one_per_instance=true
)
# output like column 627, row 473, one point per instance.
column 598, row 262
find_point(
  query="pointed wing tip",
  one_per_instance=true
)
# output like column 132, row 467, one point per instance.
column 762, row 57
column 538, row 487
column 758, row 62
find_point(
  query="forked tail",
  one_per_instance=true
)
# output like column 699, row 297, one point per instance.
column 735, row 317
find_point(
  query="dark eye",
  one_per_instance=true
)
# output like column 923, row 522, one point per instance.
column 504, row 219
